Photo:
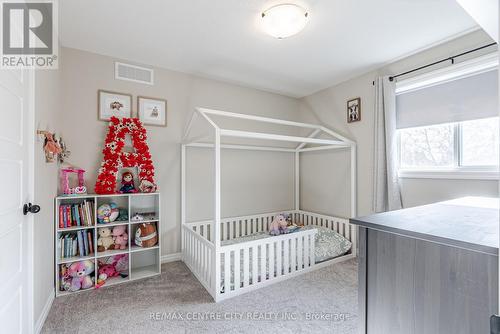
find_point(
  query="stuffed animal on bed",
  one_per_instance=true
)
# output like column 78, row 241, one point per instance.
column 278, row 225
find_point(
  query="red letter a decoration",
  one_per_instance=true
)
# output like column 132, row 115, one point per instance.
column 115, row 158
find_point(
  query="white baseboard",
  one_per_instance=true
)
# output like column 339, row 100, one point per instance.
column 171, row 257
column 45, row 312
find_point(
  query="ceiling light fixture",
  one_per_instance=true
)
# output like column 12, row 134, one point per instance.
column 285, row 20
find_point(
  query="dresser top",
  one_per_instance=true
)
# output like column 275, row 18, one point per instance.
column 470, row 222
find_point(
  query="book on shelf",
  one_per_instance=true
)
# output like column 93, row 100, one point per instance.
column 79, row 243
column 76, row 215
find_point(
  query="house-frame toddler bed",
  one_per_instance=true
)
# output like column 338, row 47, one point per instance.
column 231, row 256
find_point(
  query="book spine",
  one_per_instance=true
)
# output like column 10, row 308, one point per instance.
column 80, row 243
column 61, row 246
column 66, row 246
column 80, row 214
column 75, row 247
column 61, row 217
column 73, row 215
column 87, row 213
column 90, row 236
column 85, row 243
column 77, row 213
column 65, row 218
column 68, row 215
column 91, row 214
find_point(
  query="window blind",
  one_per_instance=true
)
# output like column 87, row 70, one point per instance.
column 468, row 98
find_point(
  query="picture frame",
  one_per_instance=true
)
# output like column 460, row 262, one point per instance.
column 354, row 110
column 113, row 104
column 152, row 111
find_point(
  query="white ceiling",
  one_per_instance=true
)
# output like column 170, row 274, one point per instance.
column 221, row 39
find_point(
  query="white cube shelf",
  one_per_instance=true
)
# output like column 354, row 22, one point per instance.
column 143, row 262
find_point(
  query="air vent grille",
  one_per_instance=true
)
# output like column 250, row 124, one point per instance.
column 134, row 73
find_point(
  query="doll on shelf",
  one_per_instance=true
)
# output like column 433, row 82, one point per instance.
column 127, row 183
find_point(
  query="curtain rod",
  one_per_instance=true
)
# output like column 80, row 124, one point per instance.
column 452, row 59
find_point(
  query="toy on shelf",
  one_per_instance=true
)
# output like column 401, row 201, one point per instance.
column 137, row 217
column 120, row 236
column 127, row 183
column 146, row 235
column 123, row 215
column 147, row 186
column 141, row 216
column 80, row 188
column 113, row 266
column 78, row 276
column 107, row 213
column 105, row 239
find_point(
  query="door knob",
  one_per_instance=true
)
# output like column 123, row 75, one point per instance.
column 30, row 208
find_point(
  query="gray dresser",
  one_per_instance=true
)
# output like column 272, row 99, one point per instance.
column 431, row 269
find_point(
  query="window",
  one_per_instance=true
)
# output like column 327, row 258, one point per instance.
column 447, row 121
column 427, row 146
column 469, row 146
column 479, row 142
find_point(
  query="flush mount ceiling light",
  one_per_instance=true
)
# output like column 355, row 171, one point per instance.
column 285, row 20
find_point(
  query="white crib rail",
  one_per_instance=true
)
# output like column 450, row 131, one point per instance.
column 253, row 264
column 198, row 255
column 235, row 227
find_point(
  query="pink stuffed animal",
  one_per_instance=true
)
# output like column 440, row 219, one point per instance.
column 278, row 225
column 117, row 267
column 120, row 236
column 80, row 275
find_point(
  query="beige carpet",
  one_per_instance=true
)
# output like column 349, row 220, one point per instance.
column 323, row 301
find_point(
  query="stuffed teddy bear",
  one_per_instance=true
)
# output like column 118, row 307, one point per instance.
column 278, row 225
column 120, row 236
column 79, row 272
column 105, row 240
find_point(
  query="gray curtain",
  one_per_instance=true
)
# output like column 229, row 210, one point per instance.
column 386, row 192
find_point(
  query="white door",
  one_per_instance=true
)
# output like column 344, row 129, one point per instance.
column 16, row 151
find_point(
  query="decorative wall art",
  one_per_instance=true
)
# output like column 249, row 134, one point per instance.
column 113, row 104
column 116, row 158
column 51, row 147
column 354, row 110
column 152, row 111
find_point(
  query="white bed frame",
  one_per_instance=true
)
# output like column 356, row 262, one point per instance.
column 201, row 240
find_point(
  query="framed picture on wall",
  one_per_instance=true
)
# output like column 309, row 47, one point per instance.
column 152, row 111
column 354, row 110
column 113, row 104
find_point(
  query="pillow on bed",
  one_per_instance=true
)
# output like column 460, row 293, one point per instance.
column 329, row 244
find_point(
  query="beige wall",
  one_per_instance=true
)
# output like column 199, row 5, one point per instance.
column 329, row 108
column 84, row 73
column 47, row 112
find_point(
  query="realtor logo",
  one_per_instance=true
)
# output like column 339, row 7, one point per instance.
column 29, row 37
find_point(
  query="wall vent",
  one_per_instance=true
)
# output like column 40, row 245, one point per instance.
column 134, row 73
